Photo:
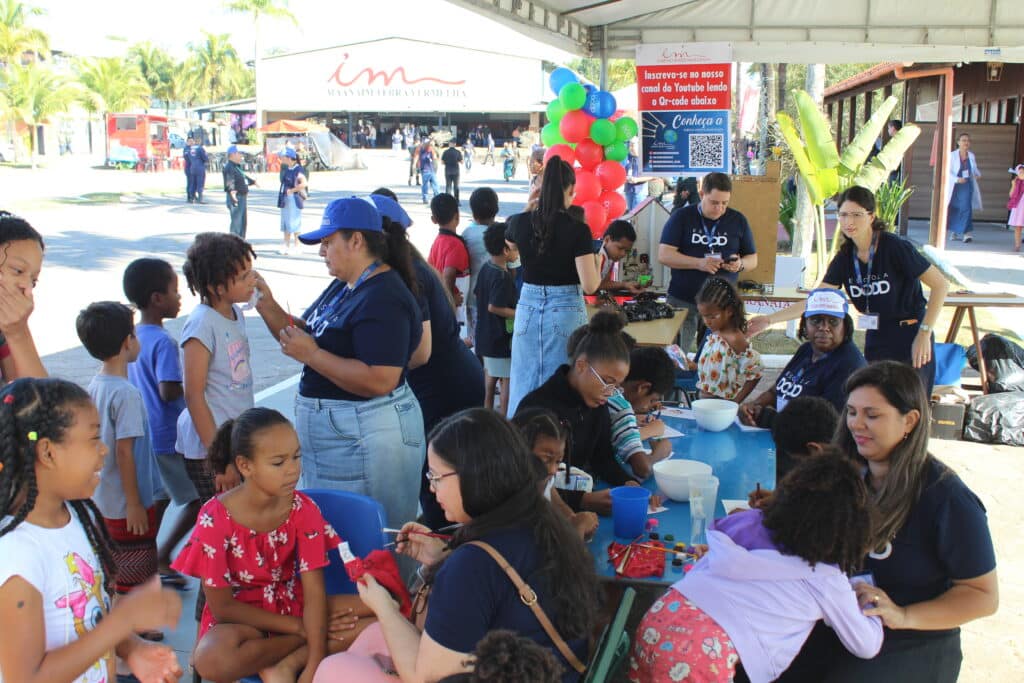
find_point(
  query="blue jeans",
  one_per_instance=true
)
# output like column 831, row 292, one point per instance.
column 961, row 209
column 374, row 447
column 545, row 317
column 429, row 179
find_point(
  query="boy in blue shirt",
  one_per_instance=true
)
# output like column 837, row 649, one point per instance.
column 152, row 286
column 652, row 374
column 496, row 300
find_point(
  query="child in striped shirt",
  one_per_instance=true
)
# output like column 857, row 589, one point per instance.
column 651, row 376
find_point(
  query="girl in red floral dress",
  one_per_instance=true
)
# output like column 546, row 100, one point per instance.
column 259, row 550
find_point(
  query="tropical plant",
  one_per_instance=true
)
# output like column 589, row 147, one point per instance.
column 33, row 93
column 110, row 85
column 889, row 198
column 825, row 173
column 157, row 68
column 787, row 211
column 215, row 71
column 621, row 72
column 274, row 9
column 16, row 37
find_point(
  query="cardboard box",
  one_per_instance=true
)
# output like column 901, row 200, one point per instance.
column 948, row 421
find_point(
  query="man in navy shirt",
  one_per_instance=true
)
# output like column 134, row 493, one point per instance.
column 195, row 166
column 704, row 239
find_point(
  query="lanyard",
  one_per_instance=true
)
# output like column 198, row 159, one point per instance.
column 332, row 307
column 860, row 278
column 709, row 235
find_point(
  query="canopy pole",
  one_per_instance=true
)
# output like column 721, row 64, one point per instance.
column 944, row 135
column 603, row 85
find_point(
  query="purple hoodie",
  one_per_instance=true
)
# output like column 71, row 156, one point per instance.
column 768, row 602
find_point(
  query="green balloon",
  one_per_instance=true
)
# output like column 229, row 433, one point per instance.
column 556, row 110
column 602, row 131
column 550, row 135
column 573, row 96
column 625, row 128
column 616, row 151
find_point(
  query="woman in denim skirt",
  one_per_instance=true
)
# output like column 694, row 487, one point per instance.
column 359, row 424
column 557, row 253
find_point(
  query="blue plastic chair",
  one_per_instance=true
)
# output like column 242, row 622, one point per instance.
column 358, row 520
column 950, row 360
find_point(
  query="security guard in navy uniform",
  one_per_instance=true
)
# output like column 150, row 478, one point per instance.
column 195, row 170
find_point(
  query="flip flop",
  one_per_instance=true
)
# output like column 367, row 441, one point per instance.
column 152, row 636
column 175, row 581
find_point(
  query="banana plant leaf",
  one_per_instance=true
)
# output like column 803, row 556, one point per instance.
column 877, row 172
column 855, row 153
column 828, row 179
column 821, row 148
column 872, row 175
column 799, row 151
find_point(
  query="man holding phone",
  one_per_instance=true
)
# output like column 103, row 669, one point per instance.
column 704, row 239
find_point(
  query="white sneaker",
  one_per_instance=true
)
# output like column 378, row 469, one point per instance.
column 283, row 251
column 954, row 236
column 968, row 238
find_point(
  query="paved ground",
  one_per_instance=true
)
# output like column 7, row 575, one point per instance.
column 97, row 221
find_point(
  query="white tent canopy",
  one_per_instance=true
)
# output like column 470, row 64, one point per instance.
column 776, row 30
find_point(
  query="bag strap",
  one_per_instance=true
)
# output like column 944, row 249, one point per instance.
column 529, row 598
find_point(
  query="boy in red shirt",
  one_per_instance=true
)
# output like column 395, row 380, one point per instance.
column 448, row 254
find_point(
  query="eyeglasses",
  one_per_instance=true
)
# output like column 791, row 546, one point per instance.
column 432, row 478
column 607, row 389
column 843, row 215
column 824, row 320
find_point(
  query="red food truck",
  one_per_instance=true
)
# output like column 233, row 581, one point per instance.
column 146, row 134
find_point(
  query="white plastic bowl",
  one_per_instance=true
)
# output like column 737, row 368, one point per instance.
column 714, row 414
column 673, row 476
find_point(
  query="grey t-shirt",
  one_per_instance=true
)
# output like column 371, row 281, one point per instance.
column 229, row 390
column 473, row 236
column 122, row 416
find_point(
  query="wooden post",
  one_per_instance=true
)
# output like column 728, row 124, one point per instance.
column 868, row 97
column 839, row 124
column 853, row 120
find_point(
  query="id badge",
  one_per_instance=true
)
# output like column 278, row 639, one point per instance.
column 867, row 321
column 965, row 174
column 714, row 254
column 867, row 578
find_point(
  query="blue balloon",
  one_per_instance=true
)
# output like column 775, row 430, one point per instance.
column 606, row 105
column 590, row 88
column 593, row 104
column 560, row 77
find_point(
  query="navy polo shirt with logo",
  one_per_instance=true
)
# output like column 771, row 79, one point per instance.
column 825, row 378
column 694, row 235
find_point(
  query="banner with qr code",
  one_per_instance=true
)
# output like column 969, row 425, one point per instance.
column 685, row 103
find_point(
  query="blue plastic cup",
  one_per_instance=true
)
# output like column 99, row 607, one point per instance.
column 629, row 510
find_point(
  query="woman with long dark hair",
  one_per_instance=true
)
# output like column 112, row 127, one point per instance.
column 882, row 273
column 358, row 421
column 557, row 254
column 485, row 477
column 932, row 565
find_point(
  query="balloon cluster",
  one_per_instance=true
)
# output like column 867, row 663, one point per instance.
column 581, row 132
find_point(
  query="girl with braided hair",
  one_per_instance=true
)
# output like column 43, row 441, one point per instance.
column 56, row 566
column 728, row 366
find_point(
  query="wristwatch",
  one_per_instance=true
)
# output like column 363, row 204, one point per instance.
column 925, row 326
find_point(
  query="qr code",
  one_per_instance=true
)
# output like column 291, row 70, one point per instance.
column 707, row 150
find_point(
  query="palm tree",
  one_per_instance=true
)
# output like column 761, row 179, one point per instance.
column 111, row 85
column 32, row 93
column 16, row 38
column 216, row 72
column 277, row 9
column 157, row 68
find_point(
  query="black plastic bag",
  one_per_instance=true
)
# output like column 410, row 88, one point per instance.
column 1004, row 362
column 996, row 418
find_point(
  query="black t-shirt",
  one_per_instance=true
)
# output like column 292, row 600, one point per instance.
column 945, row 538
column 379, row 323
column 693, row 235
column 567, row 239
column 893, row 289
column 452, row 379
column 497, row 287
column 590, row 431
column 451, row 158
column 825, row 378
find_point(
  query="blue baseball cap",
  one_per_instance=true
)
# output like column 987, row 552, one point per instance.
column 827, row 301
column 287, row 152
column 392, row 209
column 232, row 149
column 349, row 213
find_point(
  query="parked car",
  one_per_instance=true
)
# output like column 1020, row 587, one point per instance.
column 177, row 142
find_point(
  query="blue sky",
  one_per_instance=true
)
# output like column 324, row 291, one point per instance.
column 106, row 28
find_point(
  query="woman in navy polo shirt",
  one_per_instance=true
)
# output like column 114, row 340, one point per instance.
column 443, row 373
column 359, row 424
column 882, row 273
column 933, row 567
column 483, row 473
column 822, row 364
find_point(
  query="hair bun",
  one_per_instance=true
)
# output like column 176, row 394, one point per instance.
column 607, row 322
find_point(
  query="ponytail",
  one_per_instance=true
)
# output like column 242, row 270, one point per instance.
column 600, row 339
column 558, row 177
column 235, row 437
column 219, row 455
column 393, row 248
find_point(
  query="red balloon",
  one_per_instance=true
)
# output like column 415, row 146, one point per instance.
column 614, row 203
column 589, row 154
column 588, row 188
column 575, row 125
column 595, row 216
column 612, row 175
column 563, row 151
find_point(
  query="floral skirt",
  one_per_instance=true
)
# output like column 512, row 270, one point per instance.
column 676, row 641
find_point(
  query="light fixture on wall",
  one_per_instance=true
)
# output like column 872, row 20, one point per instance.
column 993, row 71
